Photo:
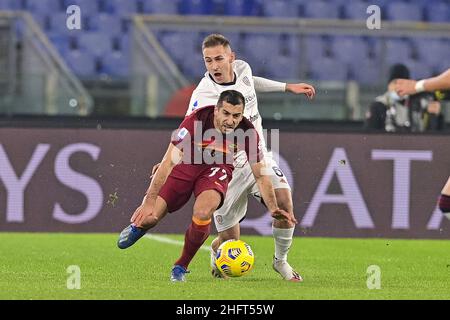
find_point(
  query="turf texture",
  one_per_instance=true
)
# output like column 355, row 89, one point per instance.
column 37, row 266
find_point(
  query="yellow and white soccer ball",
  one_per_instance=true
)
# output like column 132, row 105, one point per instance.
column 234, row 258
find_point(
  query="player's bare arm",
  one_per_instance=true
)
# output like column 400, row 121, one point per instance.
column 301, row 88
column 171, row 159
column 446, row 189
column 407, row 87
column 266, row 85
column 155, row 167
column 268, row 193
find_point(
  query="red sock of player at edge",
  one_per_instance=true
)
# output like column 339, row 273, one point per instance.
column 195, row 236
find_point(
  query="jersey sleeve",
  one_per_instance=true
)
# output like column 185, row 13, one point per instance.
column 185, row 132
column 266, row 85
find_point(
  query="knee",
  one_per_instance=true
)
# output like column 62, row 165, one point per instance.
column 284, row 200
column 203, row 215
column 283, row 224
column 444, row 203
column 225, row 237
column 284, row 203
column 232, row 233
column 221, row 238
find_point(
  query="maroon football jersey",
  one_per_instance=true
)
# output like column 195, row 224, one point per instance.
column 203, row 144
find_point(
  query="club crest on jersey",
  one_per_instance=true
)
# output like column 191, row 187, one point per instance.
column 182, row 133
column 246, row 81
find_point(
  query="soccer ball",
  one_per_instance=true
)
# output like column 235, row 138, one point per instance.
column 234, row 258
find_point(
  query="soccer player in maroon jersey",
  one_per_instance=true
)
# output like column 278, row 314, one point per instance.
column 199, row 160
column 225, row 72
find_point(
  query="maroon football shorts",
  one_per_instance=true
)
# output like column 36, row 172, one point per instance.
column 186, row 179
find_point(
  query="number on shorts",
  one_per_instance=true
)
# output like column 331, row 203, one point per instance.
column 215, row 170
column 278, row 171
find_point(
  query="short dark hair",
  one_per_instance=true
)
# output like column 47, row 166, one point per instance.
column 398, row 71
column 214, row 40
column 232, row 97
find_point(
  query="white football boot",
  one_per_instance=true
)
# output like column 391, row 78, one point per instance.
column 285, row 270
column 215, row 272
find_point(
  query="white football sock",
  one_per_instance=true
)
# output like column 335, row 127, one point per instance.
column 283, row 241
column 447, row 215
column 213, row 257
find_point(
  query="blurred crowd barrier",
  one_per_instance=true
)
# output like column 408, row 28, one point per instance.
column 151, row 63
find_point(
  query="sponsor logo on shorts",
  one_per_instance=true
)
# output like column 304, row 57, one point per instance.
column 219, row 219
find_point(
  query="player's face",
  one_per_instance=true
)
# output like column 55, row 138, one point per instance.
column 228, row 117
column 218, row 62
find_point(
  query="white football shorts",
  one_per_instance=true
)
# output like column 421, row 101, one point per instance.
column 241, row 185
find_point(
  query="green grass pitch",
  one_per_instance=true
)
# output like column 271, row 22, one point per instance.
column 34, row 266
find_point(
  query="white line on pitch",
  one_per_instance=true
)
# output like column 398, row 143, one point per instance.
column 170, row 241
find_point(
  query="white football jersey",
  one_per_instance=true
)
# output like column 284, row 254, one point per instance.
column 208, row 92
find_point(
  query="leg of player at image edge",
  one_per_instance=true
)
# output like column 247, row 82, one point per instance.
column 194, row 238
column 283, row 241
column 444, row 205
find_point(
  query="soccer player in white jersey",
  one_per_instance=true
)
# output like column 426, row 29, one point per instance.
column 224, row 72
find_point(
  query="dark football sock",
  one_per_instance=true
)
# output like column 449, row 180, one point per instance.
column 195, row 236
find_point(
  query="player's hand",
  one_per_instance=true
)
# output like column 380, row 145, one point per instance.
column 155, row 167
column 405, row 87
column 143, row 215
column 280, row 214
column 301, row 88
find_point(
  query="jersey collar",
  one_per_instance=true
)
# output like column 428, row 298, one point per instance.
column 224, row 84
